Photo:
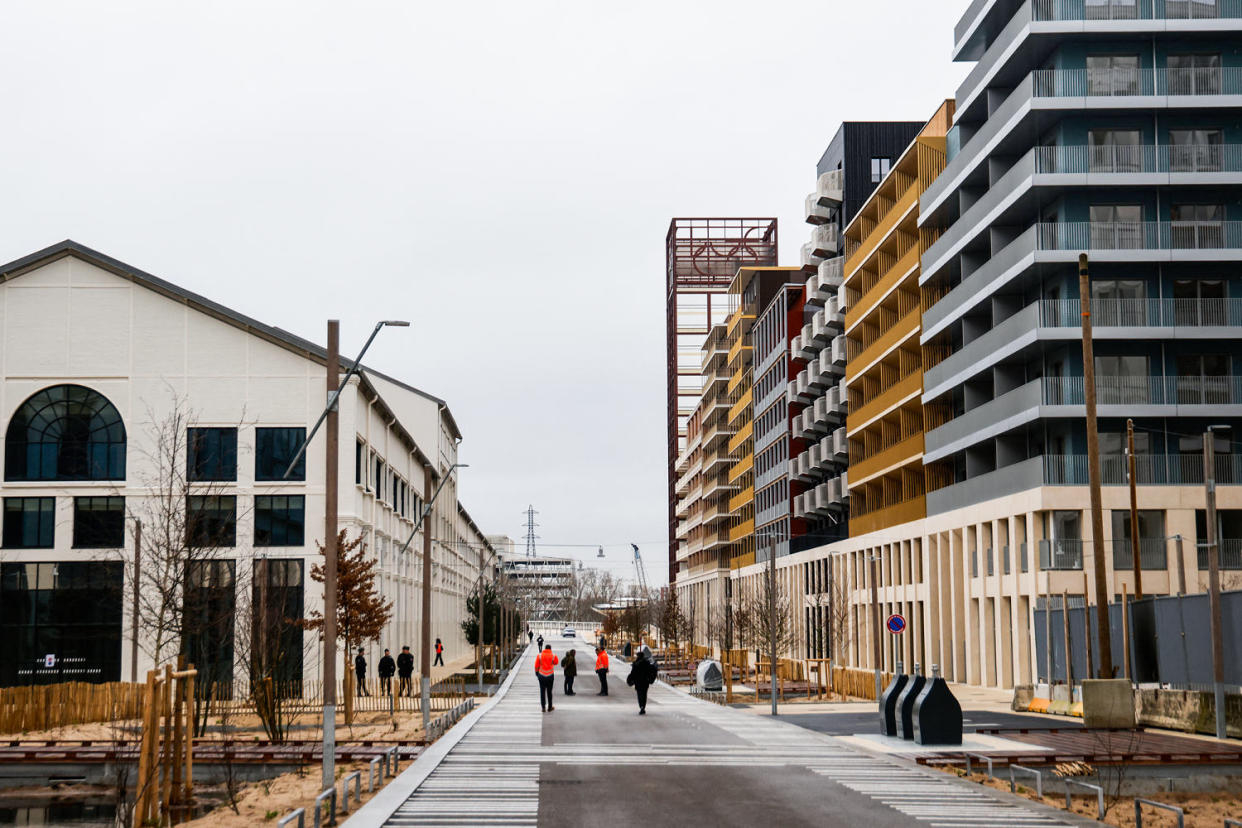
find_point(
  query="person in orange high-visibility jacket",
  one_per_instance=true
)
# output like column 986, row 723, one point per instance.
column 544, row 662
column 601, row 670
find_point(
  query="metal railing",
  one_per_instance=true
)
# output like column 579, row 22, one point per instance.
column 329, row 794
column 1146, row 390
column 1151, row 313
column 1153, row 553
column 1230, row 554
column 356, row 776
column 1138, row 811
column 1138, row 158
column 1151, row 469
column 297, row 813
column 1139, row 235
column 1039, row 779
column 1120, row 81
column 1060, row 553
column 1053, row 10
column 1099, row 794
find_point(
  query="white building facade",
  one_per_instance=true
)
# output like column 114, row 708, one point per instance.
column 124, row 398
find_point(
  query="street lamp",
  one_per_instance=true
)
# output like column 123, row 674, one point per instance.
column 425, row 662
column 335, row 385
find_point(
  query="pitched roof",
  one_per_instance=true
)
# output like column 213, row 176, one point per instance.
column 278, row 336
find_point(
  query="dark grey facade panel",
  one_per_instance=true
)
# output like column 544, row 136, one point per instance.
column 853, row 147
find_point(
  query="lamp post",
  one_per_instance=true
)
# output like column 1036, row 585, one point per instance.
column 335, row 385
column 425, row 658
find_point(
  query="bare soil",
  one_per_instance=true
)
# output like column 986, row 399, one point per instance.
column 1203, row 810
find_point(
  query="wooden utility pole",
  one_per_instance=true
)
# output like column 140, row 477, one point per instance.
column 1093, row 470
column 329, row 558
column 1213, row 550
column 478, row 646
column 1134, row 525
column 772, row 620
column 1086, row 628
column 133, row 621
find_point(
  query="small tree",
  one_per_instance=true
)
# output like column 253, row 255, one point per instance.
column 611, row 626
column 361, row 612
column 492, row 633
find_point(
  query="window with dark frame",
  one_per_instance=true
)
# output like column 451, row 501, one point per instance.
column 29, row 522
column 879, row 168
column 358, row 454
column 279, row 520
column 274, row 450
column 211, row 454
column 98, row 522
column 211, row 521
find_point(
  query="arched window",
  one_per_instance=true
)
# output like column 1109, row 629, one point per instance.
column 66, row 432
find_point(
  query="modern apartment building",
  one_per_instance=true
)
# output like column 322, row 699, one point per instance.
column 121, row 393
column 884, row 360
column 856, row 160
column 702, row 256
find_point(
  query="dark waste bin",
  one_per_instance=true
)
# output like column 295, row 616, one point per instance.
column 629, row 649
column 888, row 703
column 905, row 703
column 937, row 714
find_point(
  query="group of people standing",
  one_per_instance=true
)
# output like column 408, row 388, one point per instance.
column 643, row 673
column 402, row 667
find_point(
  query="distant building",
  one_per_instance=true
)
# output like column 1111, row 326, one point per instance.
column 542, row 585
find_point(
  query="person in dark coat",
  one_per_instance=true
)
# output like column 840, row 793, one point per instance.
column 360, row 670
column 539, row 643
column 570, row 667
column 386, row 669
column 642, row 675
column 530, row 636
column 405, row 672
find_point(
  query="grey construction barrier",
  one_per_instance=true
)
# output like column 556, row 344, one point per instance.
column 888, row 703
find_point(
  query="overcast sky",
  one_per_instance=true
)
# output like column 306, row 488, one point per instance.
column 501, row 174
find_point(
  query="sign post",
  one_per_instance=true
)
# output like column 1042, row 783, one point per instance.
column 896, row 624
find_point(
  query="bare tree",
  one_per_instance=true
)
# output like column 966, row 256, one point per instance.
column 270, row 646
column 765, row 614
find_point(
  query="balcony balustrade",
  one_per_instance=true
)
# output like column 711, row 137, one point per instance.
column 830, row 188
column 1055, row 10
column 1060, row 553
column 1139, row 235
column 1153, row 553
column 1138, row 158
column 815, row 212
column 1230, row 553
column 1152, row 313
column 1135, row 82
column 1150, row 469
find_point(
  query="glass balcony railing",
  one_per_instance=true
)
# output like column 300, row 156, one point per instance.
column 1138, row 158
column 1230, row 553
column 1150, row 469
column 1049, row 10
column 1135, row 81
column 1151, row 313
column 1153, row 553
column 1139, row 235
column 1146, row 390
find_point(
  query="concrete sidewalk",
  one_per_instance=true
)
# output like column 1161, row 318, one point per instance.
column 595, row 760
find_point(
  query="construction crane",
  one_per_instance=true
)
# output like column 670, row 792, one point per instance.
column 640, row 571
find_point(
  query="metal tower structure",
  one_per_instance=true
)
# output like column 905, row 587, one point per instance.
column 702, row 255
column 531, row 537
column 640, row 571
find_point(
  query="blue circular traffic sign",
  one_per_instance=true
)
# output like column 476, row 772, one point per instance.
column 895, row 624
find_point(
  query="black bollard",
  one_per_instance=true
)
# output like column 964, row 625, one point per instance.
column 937, row 715
column 888, row 703
column 905, row 702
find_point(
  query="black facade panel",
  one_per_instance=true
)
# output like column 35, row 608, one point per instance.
column 852, row 149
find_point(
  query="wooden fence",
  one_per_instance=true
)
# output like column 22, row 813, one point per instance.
column 858, row 683
column 75, row 702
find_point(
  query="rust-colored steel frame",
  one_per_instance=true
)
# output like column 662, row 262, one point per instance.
column 702, row 255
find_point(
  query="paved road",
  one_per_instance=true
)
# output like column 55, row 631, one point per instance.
column 595, row 761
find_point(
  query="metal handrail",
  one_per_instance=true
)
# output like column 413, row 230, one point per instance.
column 1138, row 811
column 372, row 768
column 1039, row 779
column 357, row 777
column 297, row 813
column 330, row 793
column 1099, row 792
column 985, row 758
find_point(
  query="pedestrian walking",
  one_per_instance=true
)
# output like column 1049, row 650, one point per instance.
column 642, row 675
column 570, row 669
column 405, row 672
column 439, row 654
column 544, row 662
column 539, row 644
column 385, row 669
column 360, row 670
column 530, row 636
column 601, row 670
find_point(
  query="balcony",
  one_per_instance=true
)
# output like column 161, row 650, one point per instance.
column 1230, row 554
column 810, row 259
column 1060, row 553
column 1150, row 469
column 904, row 328
column 1121, row 236
column 900, row 453
column 1153, row 553
column 1147, row 390
column 894, row 515
column 745, row 530
column 907, row 387
column 830, row 188
column 815, row 212
column 825, row 241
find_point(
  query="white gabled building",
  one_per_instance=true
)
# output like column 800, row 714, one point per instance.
column 96, row 356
